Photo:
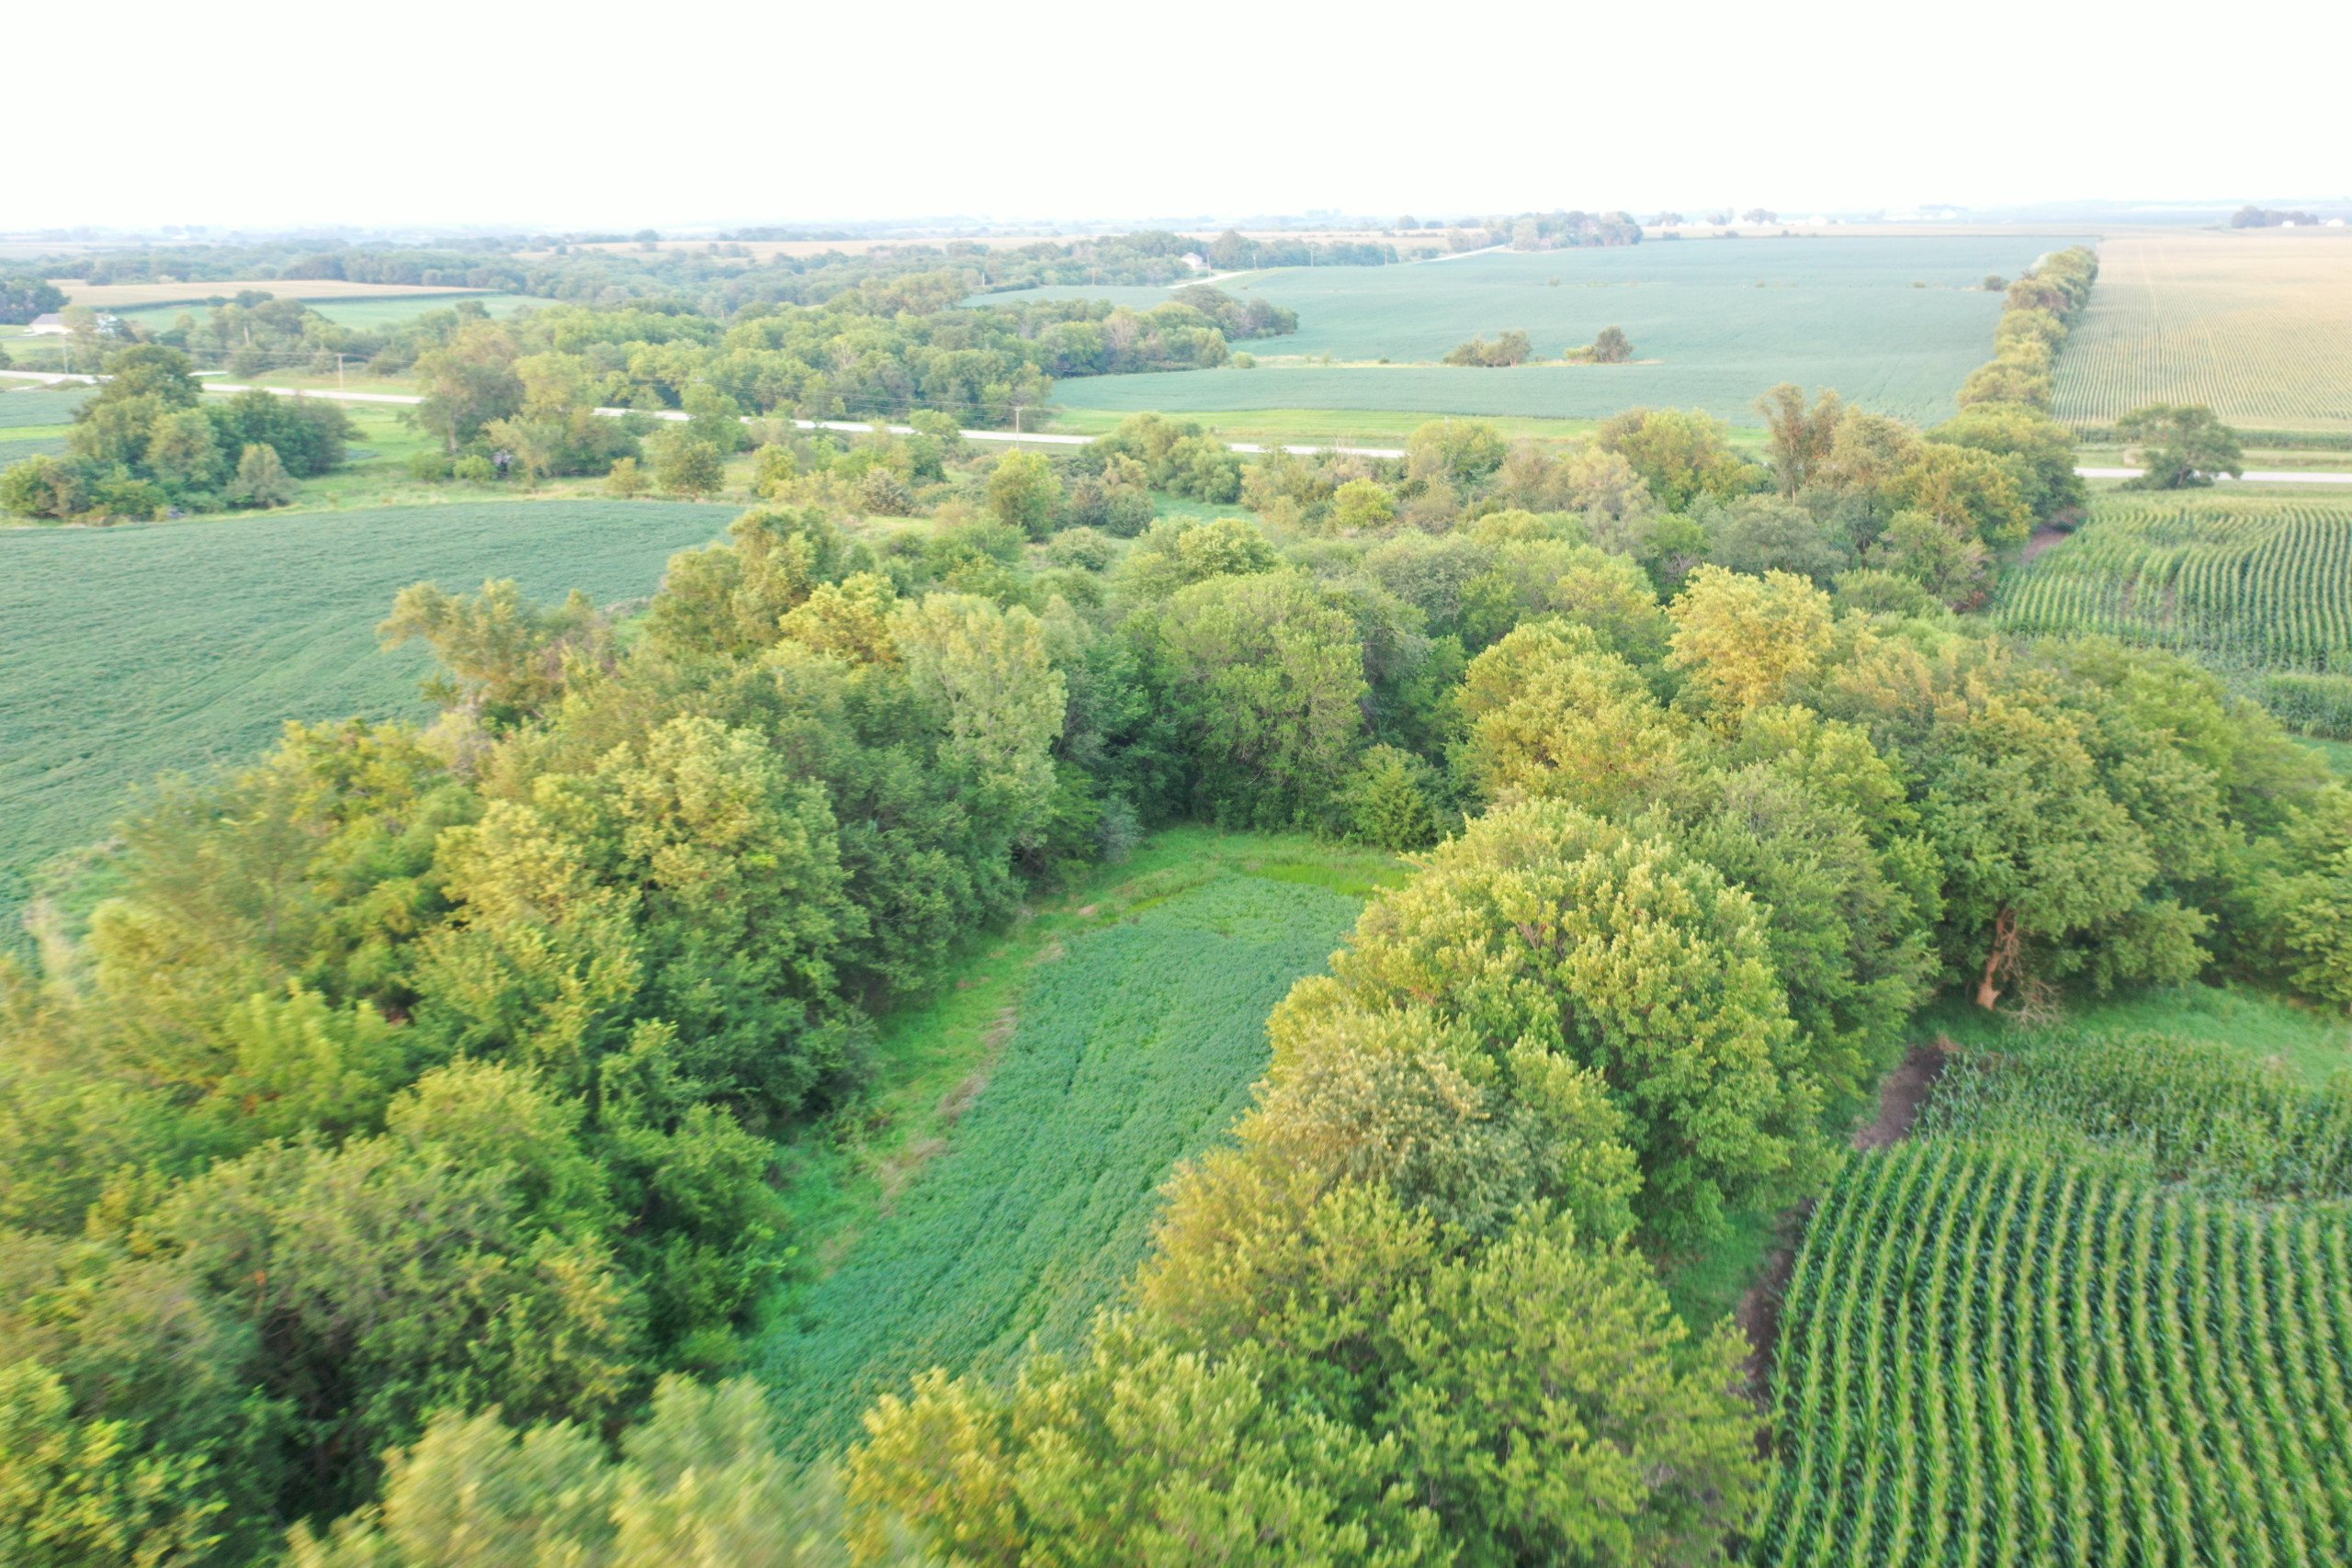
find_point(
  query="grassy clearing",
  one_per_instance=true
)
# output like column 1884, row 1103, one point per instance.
column 2310, row 1039
column 1000, row 1184
column 136, row 650
column 1896, row 324
column 2257, row 325
column 2337, row 752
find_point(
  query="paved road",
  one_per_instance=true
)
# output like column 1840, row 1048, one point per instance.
column 2252, row 475
column 2268, row 477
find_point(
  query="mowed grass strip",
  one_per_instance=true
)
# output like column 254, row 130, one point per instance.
column 136, row 650
column 2256, row 326
column 1049, row 1092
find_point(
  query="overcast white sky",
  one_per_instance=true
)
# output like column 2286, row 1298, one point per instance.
column 248, row 113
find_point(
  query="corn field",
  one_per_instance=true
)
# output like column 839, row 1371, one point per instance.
column 2257, row 327
column 2157, row 1106
column 1990, row 1356
column 2260, row 582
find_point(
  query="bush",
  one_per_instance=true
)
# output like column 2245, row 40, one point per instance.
column 136, row 501
column 1506, row 349
column 428, row 466
column 687, row 466
column 883, row 493
column 627, row 481
column 262, row 479
column 1088, row 549
column 475, row 469
column 1392, row 801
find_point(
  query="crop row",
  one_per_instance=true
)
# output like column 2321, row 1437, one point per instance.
column 2257, row 329
column 2259, row 580
column 1992, row 1357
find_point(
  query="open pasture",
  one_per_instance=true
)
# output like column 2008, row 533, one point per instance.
column 135, row 650
column 1894, row 324
column 2255, row 325
column 1129, row 1038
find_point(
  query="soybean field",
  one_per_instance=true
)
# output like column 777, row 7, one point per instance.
column 2256, row 325
column 1894, row 323
column 1125, row 1047
column 33, row 424
column 139, row 649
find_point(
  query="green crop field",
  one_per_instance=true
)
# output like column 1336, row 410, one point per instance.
column 22, row 411
column 1990, row 1356
column 2257, row 325
column 368, row 314
column 1129, row 1037
column 2258, row 584
column 137, row 650
column 1896, row 324
column 15, row 447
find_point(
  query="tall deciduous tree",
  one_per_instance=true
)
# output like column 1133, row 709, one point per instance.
column 2180, row 446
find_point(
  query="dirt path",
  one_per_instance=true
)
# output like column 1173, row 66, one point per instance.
column 1900, row 1096
column 2043, row 538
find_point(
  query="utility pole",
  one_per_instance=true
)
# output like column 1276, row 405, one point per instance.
column 338, row 371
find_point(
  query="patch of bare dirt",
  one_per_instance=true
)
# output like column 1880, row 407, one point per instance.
column 1758, row 1313
column 2045, row 537
column 1900, row 1096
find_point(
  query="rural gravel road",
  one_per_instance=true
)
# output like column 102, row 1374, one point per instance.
column 1035, row 439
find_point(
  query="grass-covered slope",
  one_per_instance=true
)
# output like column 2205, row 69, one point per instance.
column 1050, row 1090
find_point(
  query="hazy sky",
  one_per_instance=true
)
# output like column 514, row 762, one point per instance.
column 240, row 113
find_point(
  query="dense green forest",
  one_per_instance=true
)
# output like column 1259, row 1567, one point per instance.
column 389, row 1145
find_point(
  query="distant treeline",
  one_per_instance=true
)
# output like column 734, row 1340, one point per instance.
column 2036, row 315
column 2251, row 216
column 718, row 280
